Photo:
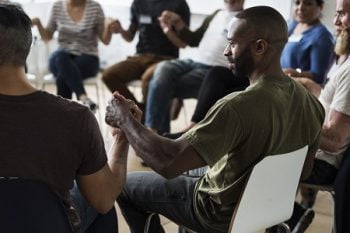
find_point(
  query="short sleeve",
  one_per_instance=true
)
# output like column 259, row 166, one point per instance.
column 321, row 56
column 217, row 134
column 100, row 19
column 92, row 146
column 134, row 13
column 341, row 98
column 184, row 12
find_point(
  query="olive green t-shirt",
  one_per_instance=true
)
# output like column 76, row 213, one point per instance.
column 274, row 115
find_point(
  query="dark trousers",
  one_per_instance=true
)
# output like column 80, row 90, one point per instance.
column 342, row 196
column 218, row 82
column 147, row 192
column 70, row 71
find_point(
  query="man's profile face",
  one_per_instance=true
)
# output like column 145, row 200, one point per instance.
column 238, row 51
column 342, row 17
column 342, row 25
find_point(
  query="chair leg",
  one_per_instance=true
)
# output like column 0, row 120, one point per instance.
column 148, row 222
column 285, row 227
column 334, row 227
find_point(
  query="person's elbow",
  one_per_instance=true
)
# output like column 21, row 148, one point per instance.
column 104, row 205
column 334, row 146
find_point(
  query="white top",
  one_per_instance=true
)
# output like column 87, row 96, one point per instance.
column 336, row 96
column 77, row 37
column 214, row 41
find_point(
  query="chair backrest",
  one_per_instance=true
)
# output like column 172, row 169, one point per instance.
column 269, row 194
column 30, row 206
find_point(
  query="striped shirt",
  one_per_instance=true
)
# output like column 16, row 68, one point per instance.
column 77, row 37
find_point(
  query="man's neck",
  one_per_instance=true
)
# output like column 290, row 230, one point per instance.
column 273, row 69
column 13, row 81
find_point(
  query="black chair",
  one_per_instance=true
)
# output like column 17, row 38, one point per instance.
column 28, row 206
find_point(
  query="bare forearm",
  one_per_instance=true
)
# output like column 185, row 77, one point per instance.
column 106, row 36
column 44, row 33
column 157, row 151
column 329, row 141
column 127, row 35
column 175, row 39
column 117, row 163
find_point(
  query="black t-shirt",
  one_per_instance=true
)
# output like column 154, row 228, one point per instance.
column 50, row 139
column 145, row 13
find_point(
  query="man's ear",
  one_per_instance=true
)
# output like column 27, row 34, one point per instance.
column 261, row 47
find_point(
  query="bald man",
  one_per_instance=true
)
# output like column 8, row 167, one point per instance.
column 273, row 115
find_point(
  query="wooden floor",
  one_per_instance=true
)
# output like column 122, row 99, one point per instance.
column 323, row 207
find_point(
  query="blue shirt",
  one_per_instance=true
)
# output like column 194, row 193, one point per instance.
column 312, row 51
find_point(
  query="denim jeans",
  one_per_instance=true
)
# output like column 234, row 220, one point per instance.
column 174, row 78
column 70, row 71
column 148, row 192
column 91, row 220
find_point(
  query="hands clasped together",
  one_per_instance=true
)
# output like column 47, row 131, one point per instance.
column 119, row 110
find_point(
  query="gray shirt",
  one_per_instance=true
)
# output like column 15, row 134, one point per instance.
column 77, row 37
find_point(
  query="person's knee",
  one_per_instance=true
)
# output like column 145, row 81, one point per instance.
column 162, row 75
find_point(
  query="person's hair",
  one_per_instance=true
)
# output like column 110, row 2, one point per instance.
column 15, row 35
column 264, row 22
column 320, row 2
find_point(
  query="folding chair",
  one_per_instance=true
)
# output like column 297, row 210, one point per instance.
column 30, row 206
column 269, row 194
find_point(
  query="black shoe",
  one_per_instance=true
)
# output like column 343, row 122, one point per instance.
column 90, row 104
column 298, row 223
column 143, row 163
column 301, row 219
column 173, row 135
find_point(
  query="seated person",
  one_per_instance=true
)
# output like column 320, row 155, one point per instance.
column 309, row 51
column 312, row 54
column 239, row 131
column 76, row 58
column 182, row 77
column 154, row 45
column 335, row 99
column 53, row 140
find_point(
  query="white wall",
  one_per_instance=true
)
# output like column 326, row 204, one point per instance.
column 119, row 49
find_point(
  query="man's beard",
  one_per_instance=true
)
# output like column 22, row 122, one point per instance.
column 244, row 64
column 342, row 45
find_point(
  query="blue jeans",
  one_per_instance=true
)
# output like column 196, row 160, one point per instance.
column 91, row 220
column 148, row 192
column 174, row 78
column 70, row 71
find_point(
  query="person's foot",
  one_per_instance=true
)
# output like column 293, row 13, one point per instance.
column 298, row 223
column 143, row 163
column 90, row 104
column 173, row 135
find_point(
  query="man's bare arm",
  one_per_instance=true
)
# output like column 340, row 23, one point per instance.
column 169, row 158
column 103, row 187
column 335, row 131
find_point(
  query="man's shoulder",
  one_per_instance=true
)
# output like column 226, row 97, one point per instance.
column 62, row 105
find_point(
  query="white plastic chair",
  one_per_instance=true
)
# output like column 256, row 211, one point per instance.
column 269, row 195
